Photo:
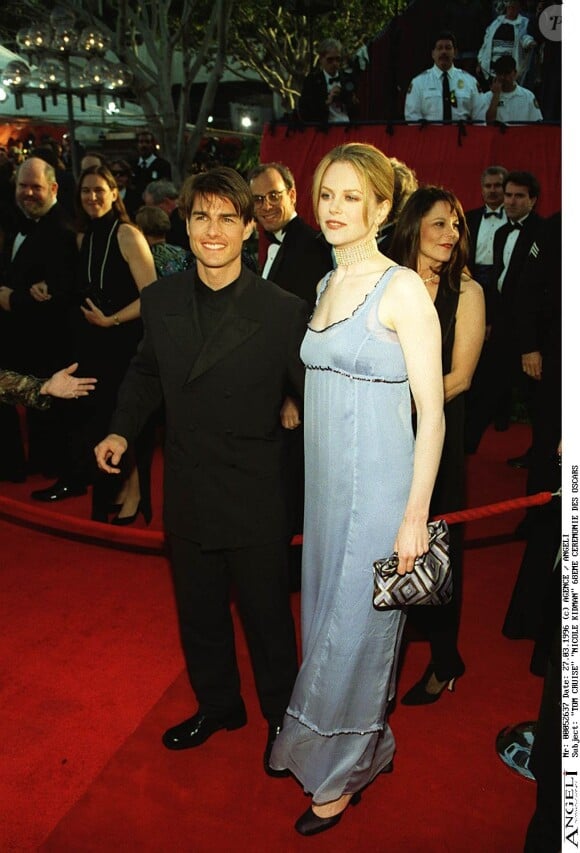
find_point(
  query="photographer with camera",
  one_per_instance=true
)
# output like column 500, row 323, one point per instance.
column 329, row 92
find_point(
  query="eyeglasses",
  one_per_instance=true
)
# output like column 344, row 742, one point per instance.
column 273, row 197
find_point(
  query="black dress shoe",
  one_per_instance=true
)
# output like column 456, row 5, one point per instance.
column 274, row 730
column 310, row 824
column 59, row 491
column 197, row 729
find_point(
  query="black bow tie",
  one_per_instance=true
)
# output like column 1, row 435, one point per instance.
column 489, row 213
column 26, row 225
column 334, row 79
column 271, row 237
column 516, row 226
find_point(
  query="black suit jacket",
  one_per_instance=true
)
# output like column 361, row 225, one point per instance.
column 301, row 261
column 223, row 441
column 143, row 175
column 502, row 306
column 312, row 104
column 538, row 296
column 37, row 332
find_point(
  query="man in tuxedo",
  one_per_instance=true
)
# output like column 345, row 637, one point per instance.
column 36, row 295
column 511, row 247
column 298, row 256
column 220, row 349
column 483, row 222
column 329, row 92
column 149, row 166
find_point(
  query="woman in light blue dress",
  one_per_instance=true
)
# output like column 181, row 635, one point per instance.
column 373, row 338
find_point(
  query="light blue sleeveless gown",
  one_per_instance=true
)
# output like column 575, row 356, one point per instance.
column 359, row 455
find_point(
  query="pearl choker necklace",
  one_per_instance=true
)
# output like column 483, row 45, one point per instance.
column 349, row 255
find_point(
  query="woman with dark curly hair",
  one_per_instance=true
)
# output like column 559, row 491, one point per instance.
column 431, row 238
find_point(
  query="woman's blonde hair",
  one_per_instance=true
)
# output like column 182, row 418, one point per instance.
column 373, row 168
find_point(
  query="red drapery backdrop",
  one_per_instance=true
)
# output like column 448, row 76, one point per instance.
column 20, row 132
column 450, row 155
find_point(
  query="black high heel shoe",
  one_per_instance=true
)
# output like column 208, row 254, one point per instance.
column 419, row 695
column 310, row 824
column 129, row 519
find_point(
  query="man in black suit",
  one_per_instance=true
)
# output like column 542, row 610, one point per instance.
column 501, row 371
column 37, row 292
column 483, row 222
column 220, row 349
column 149, row 166
column 298, row 256
column 329, row 92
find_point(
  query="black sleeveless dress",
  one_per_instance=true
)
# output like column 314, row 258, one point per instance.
column 440, row 625
column 104, row 276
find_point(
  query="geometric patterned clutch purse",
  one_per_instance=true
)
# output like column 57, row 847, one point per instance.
column 428, row 583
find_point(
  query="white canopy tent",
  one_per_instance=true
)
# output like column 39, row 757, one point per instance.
column 35, row 111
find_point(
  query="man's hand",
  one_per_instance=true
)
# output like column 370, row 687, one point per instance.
column 39, row 291
column 290, row 414
column 5, row 293
column 532, row 364
column 109, row 451
column 333, row 93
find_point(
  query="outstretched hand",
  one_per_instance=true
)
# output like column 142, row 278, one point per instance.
column 64, row 384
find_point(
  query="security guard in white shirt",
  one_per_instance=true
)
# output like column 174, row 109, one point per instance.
column 506, row 101
column 443, row 92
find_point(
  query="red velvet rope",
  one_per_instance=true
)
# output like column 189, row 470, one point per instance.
column 153, row 539
column 496, row 509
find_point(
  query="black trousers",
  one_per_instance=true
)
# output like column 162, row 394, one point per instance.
column 203, row 583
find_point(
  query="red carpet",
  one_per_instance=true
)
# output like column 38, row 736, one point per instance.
column 92, row 675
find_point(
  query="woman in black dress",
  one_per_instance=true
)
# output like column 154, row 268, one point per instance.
column 431, row 238
column 115, row 264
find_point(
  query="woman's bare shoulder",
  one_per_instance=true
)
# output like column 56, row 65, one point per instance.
column 469, row 284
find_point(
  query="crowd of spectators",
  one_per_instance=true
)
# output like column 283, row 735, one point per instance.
column 397, row 82
column 501, row 49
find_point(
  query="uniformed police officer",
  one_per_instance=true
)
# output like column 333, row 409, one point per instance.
column 507, row 101
column 443, row 92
